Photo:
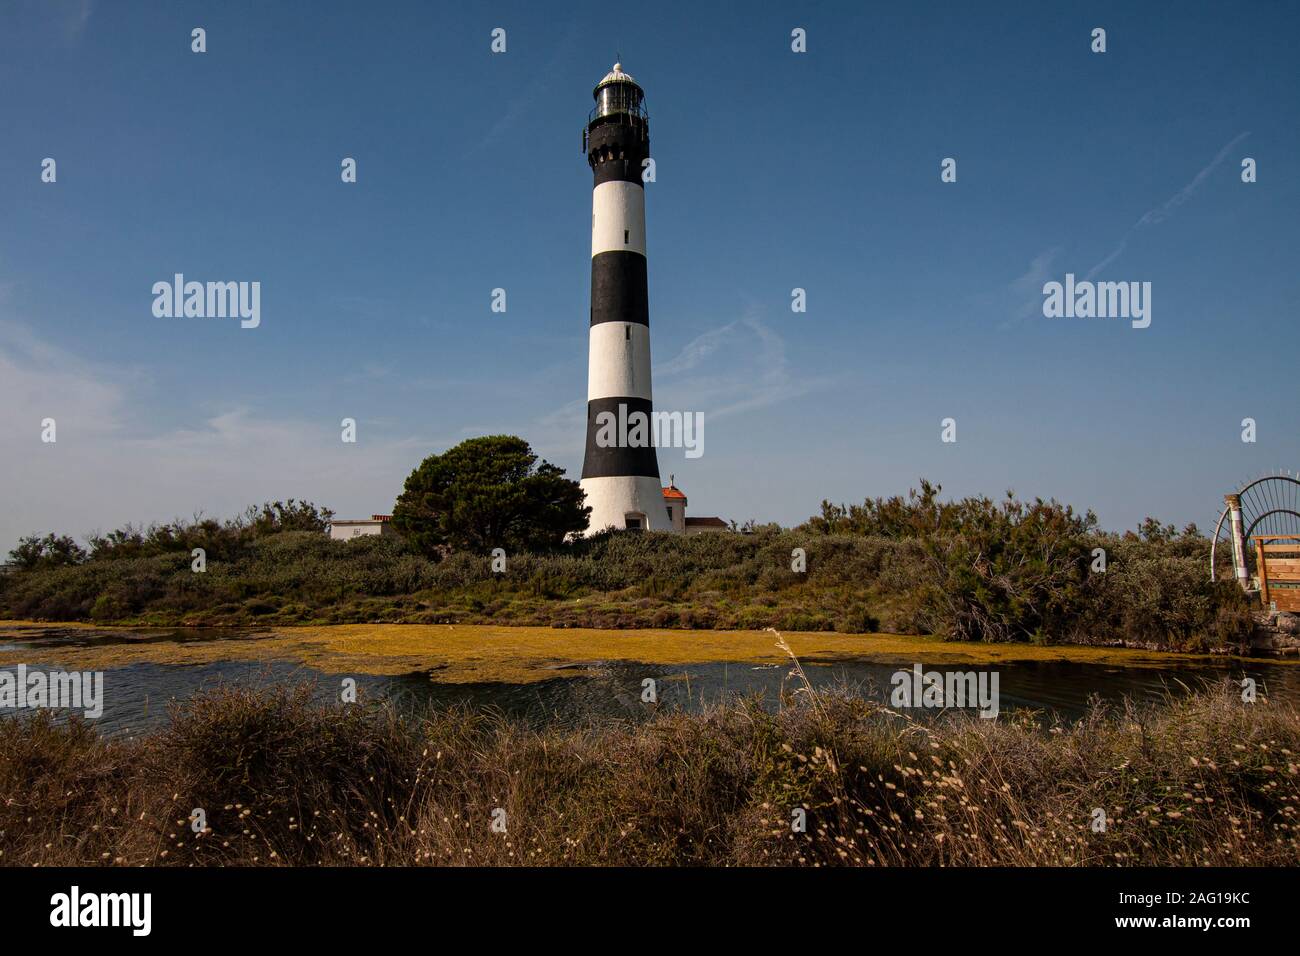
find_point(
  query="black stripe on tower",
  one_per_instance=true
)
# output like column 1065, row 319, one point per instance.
column 618, row 461
column 618, row 288
column 615, row 150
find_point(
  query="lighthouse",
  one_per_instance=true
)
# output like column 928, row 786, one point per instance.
column 620, row 478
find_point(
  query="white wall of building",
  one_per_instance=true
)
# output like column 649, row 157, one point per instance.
column 347, row 530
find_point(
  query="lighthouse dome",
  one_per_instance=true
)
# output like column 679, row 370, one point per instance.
column 617, row 75
column 619, row 96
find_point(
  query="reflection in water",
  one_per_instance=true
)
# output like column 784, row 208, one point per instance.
column 137, row 696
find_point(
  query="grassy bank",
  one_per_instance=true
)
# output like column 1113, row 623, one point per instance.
column 1154, row 593
column 1206, row 780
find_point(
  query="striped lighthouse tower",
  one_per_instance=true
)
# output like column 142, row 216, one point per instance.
column 621, row 482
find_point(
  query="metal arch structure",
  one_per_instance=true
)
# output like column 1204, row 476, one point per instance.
column 1295, row 515
column 1268, row 505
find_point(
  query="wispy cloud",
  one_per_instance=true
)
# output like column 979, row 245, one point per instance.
column 1167, row 208
column 738, row 367
column 536, row 86
column 1026, row 289
column 108, row 467
column 78, row 17
column 370, row 372
column 38, row 381
column 66, row 19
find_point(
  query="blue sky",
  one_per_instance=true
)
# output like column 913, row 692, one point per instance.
column 775, row 170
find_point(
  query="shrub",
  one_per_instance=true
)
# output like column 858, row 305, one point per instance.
column 1011, row 570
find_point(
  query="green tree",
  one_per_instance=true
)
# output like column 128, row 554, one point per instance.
column 489, row 493
column 50, row 551
column 273, row 517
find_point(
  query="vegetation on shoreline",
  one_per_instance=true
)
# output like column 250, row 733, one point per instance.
column 1207, row 780
column 967, row 570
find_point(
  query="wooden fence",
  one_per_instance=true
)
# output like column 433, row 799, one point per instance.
column 1277, row 559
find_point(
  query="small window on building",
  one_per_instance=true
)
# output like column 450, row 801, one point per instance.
column 625, row 240
column 670, row 514
column 627, row 333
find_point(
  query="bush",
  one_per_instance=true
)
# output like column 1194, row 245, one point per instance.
column 1010, row 571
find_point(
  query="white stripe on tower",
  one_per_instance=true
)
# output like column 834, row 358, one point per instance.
column 619, row 361
column 621, row 483
column 618, row 217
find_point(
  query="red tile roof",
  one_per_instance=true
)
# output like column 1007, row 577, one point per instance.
column 706, row 523
column 671, row 492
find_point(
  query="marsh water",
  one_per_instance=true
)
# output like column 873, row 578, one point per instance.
column 137, row 696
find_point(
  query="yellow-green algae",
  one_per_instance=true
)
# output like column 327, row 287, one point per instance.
column 463, row 653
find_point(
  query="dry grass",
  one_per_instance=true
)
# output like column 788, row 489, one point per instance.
column 1203, row 781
